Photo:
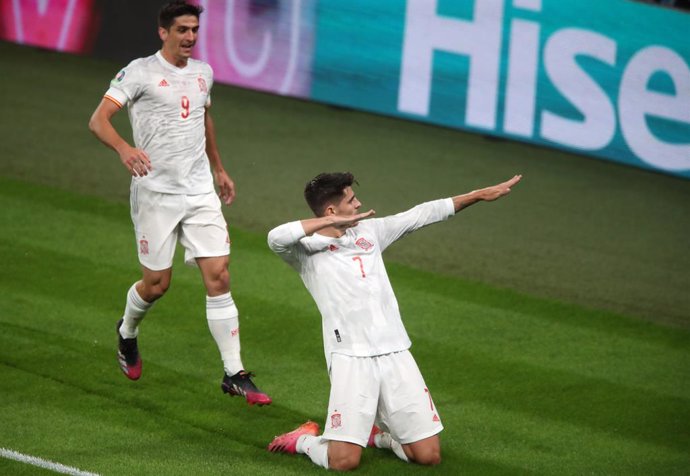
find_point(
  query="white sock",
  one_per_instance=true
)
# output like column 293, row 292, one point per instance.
column 315, row 447
column 385, row 440
column 224, row 324
column 135, row 310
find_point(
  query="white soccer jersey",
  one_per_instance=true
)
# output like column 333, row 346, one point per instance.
column 347, row 278
column 166, row 107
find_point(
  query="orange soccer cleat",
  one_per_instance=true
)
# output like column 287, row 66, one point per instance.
column 287, row 443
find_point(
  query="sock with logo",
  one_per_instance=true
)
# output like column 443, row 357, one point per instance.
column 224, row 324
column 135, row 310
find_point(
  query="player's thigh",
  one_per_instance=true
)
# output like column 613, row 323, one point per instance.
column 156, row 217
column 204, row 231
column 406, row 408
column 353, row 399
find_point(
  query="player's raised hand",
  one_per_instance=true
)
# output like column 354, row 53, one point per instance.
column 135, row 160
column 497, row 191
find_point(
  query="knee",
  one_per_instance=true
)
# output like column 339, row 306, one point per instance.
column 219, row 282
column 159, row 289
column 431, row 457
column 223, row 280
column 154, row 289
column 343, row 463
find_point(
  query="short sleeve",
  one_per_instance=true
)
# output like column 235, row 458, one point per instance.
column 126, row 86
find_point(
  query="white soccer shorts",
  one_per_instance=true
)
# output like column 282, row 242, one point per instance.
column 160, row 219
column 388, row 390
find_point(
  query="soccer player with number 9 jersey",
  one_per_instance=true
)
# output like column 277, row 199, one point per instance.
column 173, row 165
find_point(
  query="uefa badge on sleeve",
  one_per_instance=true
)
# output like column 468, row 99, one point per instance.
column 118, row 77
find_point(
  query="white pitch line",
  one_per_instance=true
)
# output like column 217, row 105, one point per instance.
column 42, row 463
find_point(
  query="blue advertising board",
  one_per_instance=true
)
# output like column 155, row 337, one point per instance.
column 609, row 79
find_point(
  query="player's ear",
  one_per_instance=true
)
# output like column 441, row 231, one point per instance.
column 329, row 210
column 162, row 33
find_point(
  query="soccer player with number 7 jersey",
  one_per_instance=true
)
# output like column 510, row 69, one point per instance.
column 173, row 165
column 378, row 396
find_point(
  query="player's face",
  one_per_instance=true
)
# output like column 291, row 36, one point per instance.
column 179, row 40
column 348, row 205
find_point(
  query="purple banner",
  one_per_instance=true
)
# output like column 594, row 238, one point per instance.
column 259, row 44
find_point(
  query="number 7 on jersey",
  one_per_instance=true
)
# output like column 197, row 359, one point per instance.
column 361, row 265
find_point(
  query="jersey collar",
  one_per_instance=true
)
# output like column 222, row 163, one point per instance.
column 169, row 66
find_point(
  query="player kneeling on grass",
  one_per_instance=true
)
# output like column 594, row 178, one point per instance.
column 378, row 395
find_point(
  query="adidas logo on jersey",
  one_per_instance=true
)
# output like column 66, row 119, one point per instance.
column 163, row 83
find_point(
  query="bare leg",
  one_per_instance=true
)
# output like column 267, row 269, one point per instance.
column 426, row 451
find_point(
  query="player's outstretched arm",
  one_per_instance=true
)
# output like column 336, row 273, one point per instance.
column 135, row 160
column 487, row 194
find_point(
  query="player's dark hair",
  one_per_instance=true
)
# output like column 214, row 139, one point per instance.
column 178, row 8
column 326, row 188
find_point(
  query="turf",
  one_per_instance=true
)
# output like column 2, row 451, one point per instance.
column 551, row 327
column 523, row 384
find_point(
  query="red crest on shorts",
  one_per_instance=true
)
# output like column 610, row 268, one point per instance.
column 335, row 420
column 143, row 247
column 364, row 244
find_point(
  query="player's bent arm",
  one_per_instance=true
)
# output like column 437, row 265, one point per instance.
column 286, row 235
column 283, row 237
column 101, row 126
column 487, row 194
column 136, row 161
column 341, row 222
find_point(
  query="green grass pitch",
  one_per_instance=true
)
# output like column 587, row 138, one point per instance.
column 552, row 326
